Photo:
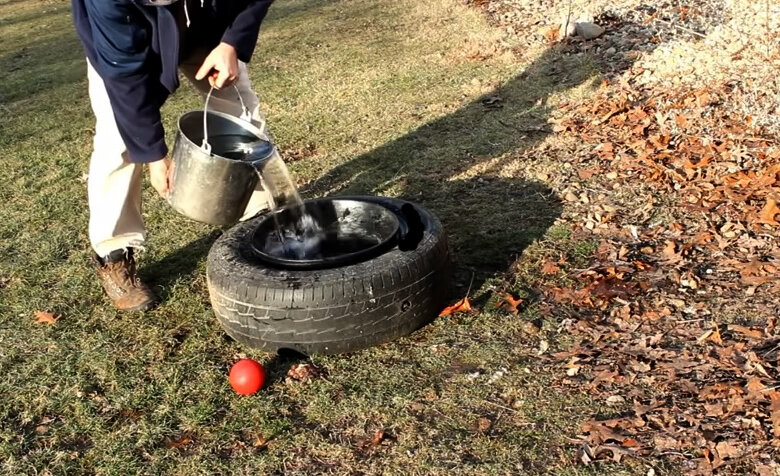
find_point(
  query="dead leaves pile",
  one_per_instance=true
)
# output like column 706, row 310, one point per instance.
column 686, row 143
column 675, row 319
column 303, row 372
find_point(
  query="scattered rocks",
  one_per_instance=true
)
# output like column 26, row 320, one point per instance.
column 616, row 34
column 588, row 30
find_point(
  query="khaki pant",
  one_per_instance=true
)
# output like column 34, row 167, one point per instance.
column 114, row 183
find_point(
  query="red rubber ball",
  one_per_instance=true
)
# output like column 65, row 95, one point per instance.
column 247, row 377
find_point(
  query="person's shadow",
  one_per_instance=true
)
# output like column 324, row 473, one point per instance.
column 473, row 168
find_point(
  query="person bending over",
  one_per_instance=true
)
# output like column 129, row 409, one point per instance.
column 135, row 50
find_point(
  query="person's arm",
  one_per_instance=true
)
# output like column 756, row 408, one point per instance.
column 116, row 39
column 238, row 43
column 242, row 33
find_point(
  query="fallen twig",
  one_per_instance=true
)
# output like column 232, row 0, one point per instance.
column 680, row 27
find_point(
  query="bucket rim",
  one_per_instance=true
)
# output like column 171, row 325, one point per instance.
column 246, row 125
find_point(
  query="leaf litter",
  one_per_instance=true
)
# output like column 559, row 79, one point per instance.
column 647, row 313
column 674, row 317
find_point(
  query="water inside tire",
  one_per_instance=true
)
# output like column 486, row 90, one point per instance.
column 352, row 231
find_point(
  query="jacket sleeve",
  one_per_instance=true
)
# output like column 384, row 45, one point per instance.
column 116, row 37
column 242, row 33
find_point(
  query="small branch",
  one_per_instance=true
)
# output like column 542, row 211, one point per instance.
column 768, row 32
column 679, row 27
column 500, row 406
column 688, row 321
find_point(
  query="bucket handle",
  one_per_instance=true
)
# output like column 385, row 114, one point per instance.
column 245, row 115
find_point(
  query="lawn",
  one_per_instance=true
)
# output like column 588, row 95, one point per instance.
column 381, row 97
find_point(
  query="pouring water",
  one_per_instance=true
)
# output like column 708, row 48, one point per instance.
column 302, row 237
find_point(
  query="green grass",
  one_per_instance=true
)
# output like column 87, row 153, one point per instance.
column 385, row 100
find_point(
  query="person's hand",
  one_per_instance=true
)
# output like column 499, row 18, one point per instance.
column 220, row 66
column 160, row 176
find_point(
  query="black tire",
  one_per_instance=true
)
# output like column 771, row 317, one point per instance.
column 329, row 311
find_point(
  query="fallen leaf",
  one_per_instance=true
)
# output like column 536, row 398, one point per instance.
column 461, row 306
column 551, row 35
column 681, row 121
column 178, row 441
column 484, row 424
column 715, row 337
column 543, row 346
column 379, row 435
column 752, row 268
column 707, row 334
column 726, row 449
column 585, row 454
column 615, row 400
column 671, row 256
column 605, row 376
column 598, row 432
column 774, row 408
column 43, row 317
column 665, row 443
column 746, row 331
column 765, row 470
column 630, row 443
column 755, row 388
column 259, row 442
column 549, row 267
column 303, row 372
column 767, row 214
column 509, row 303
column 375, row 440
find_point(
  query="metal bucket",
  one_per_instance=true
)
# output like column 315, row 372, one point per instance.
column 205, row 186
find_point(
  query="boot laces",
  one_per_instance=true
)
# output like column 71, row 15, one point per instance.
column 125, row 270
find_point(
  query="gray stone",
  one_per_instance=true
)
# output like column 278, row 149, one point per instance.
column 589, row 30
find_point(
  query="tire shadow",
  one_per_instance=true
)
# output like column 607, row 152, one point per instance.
column 280, row 362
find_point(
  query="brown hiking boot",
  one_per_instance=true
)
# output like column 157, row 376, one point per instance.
column 117, row 273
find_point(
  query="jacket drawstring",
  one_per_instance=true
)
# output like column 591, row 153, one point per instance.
column 187, row 13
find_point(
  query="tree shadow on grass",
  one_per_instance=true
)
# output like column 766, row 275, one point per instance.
column 31, row 70
column 470, row 168
column 29, row 16
column 456, row 167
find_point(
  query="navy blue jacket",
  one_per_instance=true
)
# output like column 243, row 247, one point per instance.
column 135, row 49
